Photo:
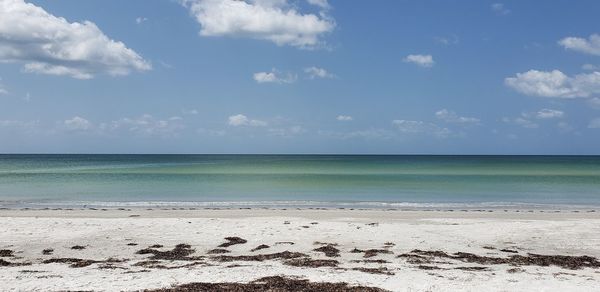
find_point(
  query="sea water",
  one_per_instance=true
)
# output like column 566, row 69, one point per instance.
column 398, row 181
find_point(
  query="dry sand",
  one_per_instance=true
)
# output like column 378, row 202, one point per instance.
column 414, row 250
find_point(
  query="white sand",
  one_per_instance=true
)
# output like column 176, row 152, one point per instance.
column 105, row 234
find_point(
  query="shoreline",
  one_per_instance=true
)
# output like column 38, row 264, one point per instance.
column 314, row 213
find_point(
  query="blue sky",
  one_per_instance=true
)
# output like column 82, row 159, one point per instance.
column 300, row 76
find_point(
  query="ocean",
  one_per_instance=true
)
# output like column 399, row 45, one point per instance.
column 365, row 181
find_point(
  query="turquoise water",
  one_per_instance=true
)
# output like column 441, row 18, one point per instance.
column 303, row 180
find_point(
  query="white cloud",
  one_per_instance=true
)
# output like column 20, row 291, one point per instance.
column 316, row 72
column 273, row 20
column 555, row 84
column 343, row 118
column 417, row 127
column 549, row 114
column 324, row 4
column 589, row 46
column 594, row 124
column 425, row 61
column 500, row 9
column 242, row 120
column 139, row 20
column 520, row 121
column 77, row 124
column 274, row 77
column 589, row 67
column 451, row 117
column 51, row 45
column 146, row 125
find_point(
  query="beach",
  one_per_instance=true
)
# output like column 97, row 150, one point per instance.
column 131, row 249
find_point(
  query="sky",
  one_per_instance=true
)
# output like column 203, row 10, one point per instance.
column 300, row 76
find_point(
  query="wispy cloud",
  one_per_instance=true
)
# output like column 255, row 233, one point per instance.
column 452, row 117
column 242, row 120
column 522, row 122
column 500, row 9
column 420, row 127
column 140, row 20
column 343, row 118
column 77, row 123
column 594, row 123
column 316, row 72
column 447, row 40
column 274, row 77
column 146, row 125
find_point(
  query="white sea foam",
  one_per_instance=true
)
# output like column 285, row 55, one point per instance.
column 289, row 204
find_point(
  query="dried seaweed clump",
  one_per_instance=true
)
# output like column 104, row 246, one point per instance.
column 233, row 241
column 563, row 261
column 181, row 252
column 329, row 250
column 260, row 257
column 274, row 283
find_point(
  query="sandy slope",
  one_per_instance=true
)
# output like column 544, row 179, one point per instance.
column 112, row 233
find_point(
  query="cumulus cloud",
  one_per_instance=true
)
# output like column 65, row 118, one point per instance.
column 273, row 20
column 51, row 45
column 316, row 72
column 343, row 118
column 555, row 84
column 242, row 120
column 425, row 61
column 452, row 117
column 418, row 127
column 594, row 124
column 589, row 67
column 588, row 46
column 500, row 9
column 77, row 124
column 274, row 77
